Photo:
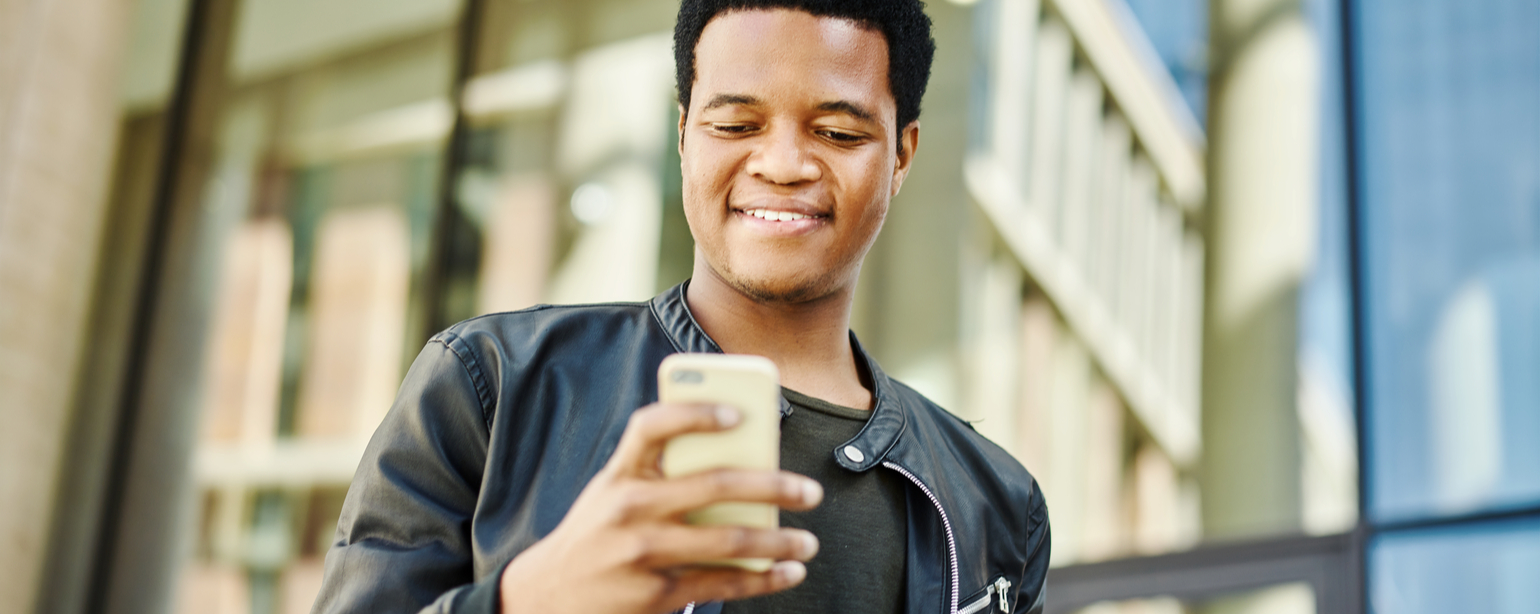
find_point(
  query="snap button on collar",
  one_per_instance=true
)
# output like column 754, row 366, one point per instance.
column 854, row 454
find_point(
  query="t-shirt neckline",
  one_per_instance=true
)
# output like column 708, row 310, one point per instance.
column 824, row 407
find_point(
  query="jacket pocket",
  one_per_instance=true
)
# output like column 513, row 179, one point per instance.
column 997, row 593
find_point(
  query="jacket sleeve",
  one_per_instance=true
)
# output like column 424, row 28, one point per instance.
column 403, row 541
column 1032, row 589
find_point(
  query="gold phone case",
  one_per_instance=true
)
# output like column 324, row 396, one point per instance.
column 752, row 385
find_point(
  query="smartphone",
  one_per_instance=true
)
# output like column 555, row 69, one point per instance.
column 753, row 386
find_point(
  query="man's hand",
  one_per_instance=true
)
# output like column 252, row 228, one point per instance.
column 624, row 547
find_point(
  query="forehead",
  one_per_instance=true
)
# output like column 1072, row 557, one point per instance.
column 786, row 51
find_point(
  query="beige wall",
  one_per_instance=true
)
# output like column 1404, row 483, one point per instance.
column 58, row 119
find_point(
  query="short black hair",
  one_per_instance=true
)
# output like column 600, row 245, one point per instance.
column 902, row 22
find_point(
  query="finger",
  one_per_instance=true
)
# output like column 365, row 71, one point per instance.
column 726, row 584
column 679, row 495
column 651, row 427
column 676, row 546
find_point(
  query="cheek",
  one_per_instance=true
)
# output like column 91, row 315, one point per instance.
column 873, row 223
column 874, row 187
column 706, row 171
column 876, row 192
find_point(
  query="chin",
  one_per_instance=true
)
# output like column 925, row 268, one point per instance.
column 784, row 288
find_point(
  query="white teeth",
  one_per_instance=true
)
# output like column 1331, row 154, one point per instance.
column 776, row 216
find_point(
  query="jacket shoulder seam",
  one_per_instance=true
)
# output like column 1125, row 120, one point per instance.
column 546, row 307
column 657, row 318
column 473, row 370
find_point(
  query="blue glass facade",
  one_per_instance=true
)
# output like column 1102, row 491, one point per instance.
column 1448, row 126
column 1487, row 567
column 1449, row 121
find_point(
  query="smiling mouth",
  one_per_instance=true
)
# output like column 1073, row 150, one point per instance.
column 771, row 215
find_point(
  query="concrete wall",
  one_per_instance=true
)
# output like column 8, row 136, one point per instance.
column 59, row 61
column 1263, row 128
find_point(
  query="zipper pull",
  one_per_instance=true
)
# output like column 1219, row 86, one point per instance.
column 1002, row 588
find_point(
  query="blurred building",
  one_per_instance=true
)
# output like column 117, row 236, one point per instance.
column 1250, row 286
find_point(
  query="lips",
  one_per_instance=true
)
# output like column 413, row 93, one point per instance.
column 778, row 216
column 782, row 218
column 780, row 209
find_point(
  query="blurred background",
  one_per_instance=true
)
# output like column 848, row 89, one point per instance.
column 1250, row 285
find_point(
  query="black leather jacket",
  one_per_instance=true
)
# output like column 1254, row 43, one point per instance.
column 503, row 419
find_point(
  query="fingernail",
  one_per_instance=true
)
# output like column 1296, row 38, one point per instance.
column 790, row 572
column 808, row 547
column 812, row 492
column 726, row 416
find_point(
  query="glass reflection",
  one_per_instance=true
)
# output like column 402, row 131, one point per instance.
column 317, row 213
column 1451, row 176
column 1483, row 568
column 565, row 195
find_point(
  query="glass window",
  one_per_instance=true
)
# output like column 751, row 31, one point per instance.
column 310, row 241
column 1450, row 121
column 1483, row 568
column 568, row 192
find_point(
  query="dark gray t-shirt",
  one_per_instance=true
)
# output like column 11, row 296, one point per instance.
column 861, row 525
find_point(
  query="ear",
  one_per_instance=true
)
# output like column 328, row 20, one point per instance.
column 908, row 145
column 682, row 118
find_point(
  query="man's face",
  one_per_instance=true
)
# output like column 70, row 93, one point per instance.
column 789, row 151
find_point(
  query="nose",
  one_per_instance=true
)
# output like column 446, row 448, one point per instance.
column 784, row 158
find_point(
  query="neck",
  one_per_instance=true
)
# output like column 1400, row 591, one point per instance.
column 809, row 341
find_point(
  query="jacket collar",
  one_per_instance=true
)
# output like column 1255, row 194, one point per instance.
column 889, row 415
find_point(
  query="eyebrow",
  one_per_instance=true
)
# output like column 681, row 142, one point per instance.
column 834, row 106
column 724, row 100
column 848, row 108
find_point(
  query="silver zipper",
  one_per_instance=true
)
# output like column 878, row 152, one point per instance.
column 983, row 602
column 688, row 608
column 951, row 542
column 1001, row 587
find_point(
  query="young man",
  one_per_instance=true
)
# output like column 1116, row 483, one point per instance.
column 515, row 472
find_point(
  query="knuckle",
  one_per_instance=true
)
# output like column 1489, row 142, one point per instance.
column 631, row 503
column 638, row 549
column 720, row 483
column 740, row 540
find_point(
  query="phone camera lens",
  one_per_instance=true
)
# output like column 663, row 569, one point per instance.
column 688, row 377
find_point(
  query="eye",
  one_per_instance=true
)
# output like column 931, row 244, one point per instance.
column 733, row 129
column 840, row 137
